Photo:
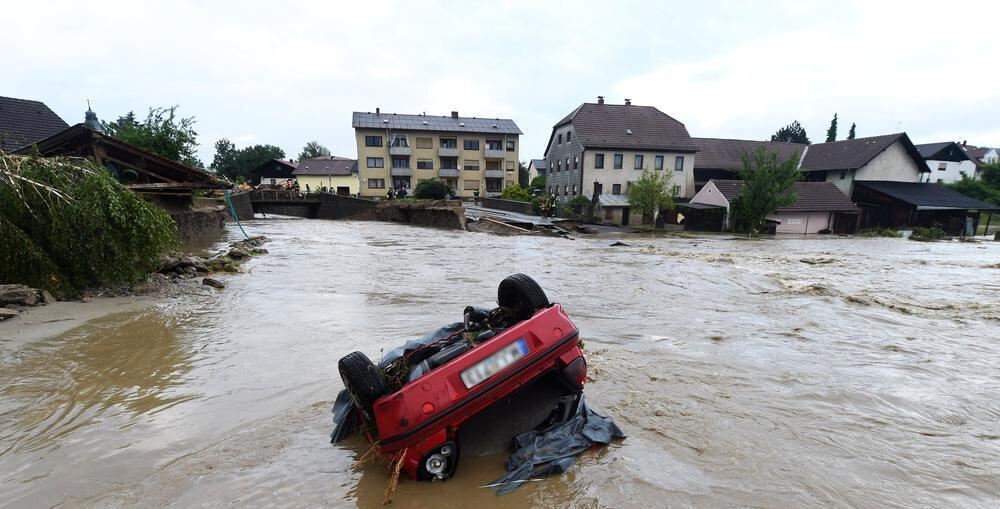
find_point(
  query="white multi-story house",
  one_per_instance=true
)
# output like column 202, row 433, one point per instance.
column 602, row 149
column 948, row 162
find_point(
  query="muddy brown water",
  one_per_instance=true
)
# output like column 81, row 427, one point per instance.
column 865, row 376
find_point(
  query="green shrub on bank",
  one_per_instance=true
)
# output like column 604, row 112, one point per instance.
column 66, row 225
column 516, row 193
column 432, row 189
column 928, row 234
column 879, row 232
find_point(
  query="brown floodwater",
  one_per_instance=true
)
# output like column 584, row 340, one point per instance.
column 781, row 373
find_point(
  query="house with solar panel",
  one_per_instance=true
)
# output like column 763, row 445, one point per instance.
column 475, row 156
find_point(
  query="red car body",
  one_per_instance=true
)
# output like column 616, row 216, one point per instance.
column 423, row 417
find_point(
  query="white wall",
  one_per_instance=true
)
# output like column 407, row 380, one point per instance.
column 952, row 171
column 608, row 176
column 892, row 164
column 801, row 223
column 992, row 156
column 710, row 195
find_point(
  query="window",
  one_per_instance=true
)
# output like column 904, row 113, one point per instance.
column 559, row 139
column 449, row 142
column 510, row 145
column 425, row 164
column 616, row 189
column 567, row 163
column 471, row 144
column 574, row 189
column 638, row 161
column 470, row 164
column 425, row 143
column 449, row 163
column 376, row 183
column 576, row 162
column 942, row 166
column 493, row 165
column 493, row 185
column 399, row 140
column 599, row 161
column 619, row 161
column 679, row 163
column 843, row 174
column 400, row 162
column 492, row 144
column 373, row 141
column 398, row 182
column 565, row 190
column 677, row 191
column 569, row 136
column 510, row 165
column 558, row 166
column 470, row 185
column 376, row 162
column 658, row 163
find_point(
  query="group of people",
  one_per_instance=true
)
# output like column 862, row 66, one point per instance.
column 399, row 192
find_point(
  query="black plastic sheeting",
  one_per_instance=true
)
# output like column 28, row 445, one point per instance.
column 536, row 453
column 555, row 449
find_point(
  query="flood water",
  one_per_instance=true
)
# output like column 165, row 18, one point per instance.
column 867, row 375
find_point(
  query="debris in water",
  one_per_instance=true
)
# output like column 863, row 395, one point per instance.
column 619, row 243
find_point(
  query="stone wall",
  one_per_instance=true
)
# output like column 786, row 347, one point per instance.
column 438, row 213
column 332, row 206
column 195, row 223
column 241, row 202
column 521, row 207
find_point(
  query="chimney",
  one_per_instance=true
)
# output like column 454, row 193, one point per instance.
column 377, row 110
column 454, row 114
column 963, row 142
column 600, row 99
column 628, row 102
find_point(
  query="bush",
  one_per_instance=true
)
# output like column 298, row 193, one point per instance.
column 432, row 189
column 537, row 183
column 66, row 225
column 516, row 193
column 879, row 232
column 928, row 234
column 577, row 208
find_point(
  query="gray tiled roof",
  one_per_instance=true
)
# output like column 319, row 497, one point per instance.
column 539, row 163
column 926, row 195
column 853, row 154
column 943, row 151
column 368, row 120
column 725, row 154
column 628, row 127
column 24, row 122
column 331, row 165
column 810, row 196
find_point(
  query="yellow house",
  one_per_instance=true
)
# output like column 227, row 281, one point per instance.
column 330, row 173
column 472, row 155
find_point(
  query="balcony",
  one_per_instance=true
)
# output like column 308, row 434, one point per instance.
column 448, row 152
column 449, row 172
column 399, row 150
column 401, row 172
column 494, row 154
column 494, row 174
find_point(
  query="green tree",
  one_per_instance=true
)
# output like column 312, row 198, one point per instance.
column 162, row 132
column 766, row 185
column 522, row 174
column 791, row 133
column 515, row 193
column 651, row 193
column 313, row 149
column 236, row 164
column 850, row 135
column 66, row 224
column 432, row 189
column 537, row 183
column 831, row 133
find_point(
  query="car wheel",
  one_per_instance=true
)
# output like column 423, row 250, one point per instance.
column 522, row 295
column 363, row 381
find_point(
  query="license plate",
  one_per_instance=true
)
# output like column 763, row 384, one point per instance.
column 494, row 364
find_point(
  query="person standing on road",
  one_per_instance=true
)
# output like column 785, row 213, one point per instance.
column 390, row 194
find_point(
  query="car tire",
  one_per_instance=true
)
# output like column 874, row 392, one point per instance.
column 363, row 381
column 522, row 295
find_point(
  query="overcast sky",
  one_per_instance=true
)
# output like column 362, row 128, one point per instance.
column 288, row 72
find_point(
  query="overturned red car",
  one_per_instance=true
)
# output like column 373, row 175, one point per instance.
column 428, row 402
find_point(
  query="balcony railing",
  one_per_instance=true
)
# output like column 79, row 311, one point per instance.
column 401, row 172
column 449, row 172
column 494, row 174
column 448, row 152
column 399, row 150
column 494, row 153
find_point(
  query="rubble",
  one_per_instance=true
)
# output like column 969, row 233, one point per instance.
column 214, row 283
column 6, row 313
